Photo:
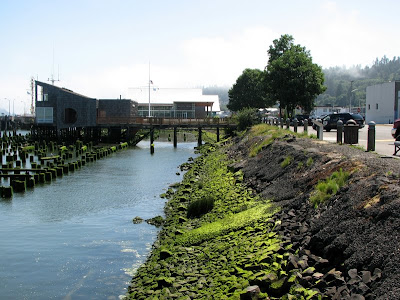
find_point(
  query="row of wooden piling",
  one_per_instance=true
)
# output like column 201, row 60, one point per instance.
column 50, row 167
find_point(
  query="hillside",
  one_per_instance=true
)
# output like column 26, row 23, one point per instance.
column 242, row 222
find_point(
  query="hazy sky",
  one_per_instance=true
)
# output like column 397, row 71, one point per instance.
column 103, row 48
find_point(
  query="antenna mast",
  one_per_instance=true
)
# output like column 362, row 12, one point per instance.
column 32, row 95
column 52, row 72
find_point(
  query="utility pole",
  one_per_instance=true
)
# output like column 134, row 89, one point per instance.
column 351, row 93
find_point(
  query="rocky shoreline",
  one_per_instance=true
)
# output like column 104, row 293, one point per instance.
column 262, row 238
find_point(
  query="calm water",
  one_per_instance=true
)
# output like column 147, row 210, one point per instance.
column 74, row 238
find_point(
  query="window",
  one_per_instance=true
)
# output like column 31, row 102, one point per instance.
column 44, row 115
column 377, row 106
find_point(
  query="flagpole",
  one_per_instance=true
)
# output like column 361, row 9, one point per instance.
column 149, row 90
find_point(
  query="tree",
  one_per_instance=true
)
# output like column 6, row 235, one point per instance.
column 291, row 76
column 248, row 91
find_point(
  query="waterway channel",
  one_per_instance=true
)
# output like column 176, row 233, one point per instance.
column 74, row 238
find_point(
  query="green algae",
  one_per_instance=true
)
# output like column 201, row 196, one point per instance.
column 218, row 254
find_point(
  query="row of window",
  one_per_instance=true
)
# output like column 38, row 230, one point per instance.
column 376, row 106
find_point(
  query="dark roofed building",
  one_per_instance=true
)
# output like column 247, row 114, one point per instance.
column 114, row 109
column 63, row 108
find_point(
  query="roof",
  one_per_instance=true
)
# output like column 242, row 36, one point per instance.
column 65, row 90
column 168, row 96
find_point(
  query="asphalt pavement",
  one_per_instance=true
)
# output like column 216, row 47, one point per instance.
column 384, row 142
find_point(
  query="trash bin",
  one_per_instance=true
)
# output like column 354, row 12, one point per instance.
column 351, row 132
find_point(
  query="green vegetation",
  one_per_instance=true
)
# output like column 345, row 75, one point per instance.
column 249, row 91
column 291, row 77
column 28, row 148
column 246, row 118
column 326, row 189
column 287, row 161
column 269, row 134
column 226, row 225
column 223, row 250
column 309, row 162
column 200, row 207
column 340, row 81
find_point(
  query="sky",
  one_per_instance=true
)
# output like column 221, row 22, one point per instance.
column 106, row 49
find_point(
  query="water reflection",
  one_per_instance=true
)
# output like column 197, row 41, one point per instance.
column 74, row 238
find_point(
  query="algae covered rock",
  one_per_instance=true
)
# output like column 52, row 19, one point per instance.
column 137, row 220
column 156, row 221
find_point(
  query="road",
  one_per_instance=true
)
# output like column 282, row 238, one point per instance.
column 384, row 142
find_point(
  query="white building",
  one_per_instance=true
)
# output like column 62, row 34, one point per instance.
column 326, row 110
column 175, row 102
column 382, row 104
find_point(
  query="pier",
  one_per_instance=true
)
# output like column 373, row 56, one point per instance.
column 117, row 129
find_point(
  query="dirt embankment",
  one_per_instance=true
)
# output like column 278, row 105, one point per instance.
column 353, row 236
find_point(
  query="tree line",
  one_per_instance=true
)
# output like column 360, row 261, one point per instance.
column 350, row 84
column 291, row 80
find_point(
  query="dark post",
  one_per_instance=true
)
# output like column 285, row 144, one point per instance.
column 217, row 134
column 295, row 125
column 199, row 138
column 281, row 122
column 305, row 125
column 151, row 141
column 339, row 135
column 287, row 123
column 175, row 137
column 371, row 136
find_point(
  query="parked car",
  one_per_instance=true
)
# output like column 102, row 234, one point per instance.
column 396, row 129
column 330, row 121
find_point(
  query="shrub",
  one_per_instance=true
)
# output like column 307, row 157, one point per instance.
column 200, row 207
column 326, row 189
column 287, row 161
column 247, row 117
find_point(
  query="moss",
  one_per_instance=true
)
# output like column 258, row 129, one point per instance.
column 287, row 161
column 156, row 221
column 200, row 207
column 217, row 254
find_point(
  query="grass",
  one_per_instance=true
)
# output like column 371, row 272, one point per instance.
column 287, row 161
column 329, row 187
column 225, row 225
column 270, row 133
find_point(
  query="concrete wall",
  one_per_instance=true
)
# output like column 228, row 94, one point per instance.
column 380, row 103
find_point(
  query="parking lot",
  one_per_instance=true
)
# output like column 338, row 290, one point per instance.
column 384, row 142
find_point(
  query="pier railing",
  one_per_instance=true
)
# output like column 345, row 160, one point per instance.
column 163, row 121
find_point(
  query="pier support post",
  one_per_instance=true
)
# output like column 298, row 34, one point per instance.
column 217, row 134
column 199, row 140
column 152, row 141
column 175, row 137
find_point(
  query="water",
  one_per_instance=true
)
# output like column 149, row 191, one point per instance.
column 74, row 238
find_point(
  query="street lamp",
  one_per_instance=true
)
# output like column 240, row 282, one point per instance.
column 351, row 95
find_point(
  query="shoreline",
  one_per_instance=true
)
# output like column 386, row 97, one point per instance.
column 241, row 245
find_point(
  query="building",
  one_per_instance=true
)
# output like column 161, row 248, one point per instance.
column 175, row 103
column 382, row 104
column 116, row 109
column 319, row 111
column 62, row 108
